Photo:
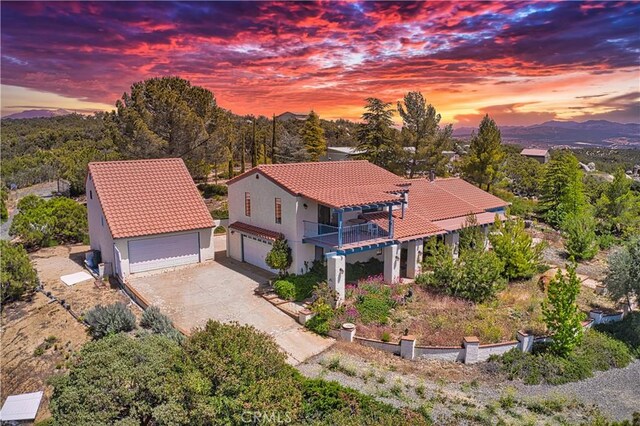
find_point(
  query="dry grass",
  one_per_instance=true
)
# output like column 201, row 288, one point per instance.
column 26, row 324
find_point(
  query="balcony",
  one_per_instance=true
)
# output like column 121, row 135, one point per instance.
column 332, row 236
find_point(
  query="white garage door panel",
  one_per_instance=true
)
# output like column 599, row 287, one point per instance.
column 255, row 252
column 163, row 252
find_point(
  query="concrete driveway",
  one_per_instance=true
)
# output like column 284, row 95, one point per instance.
column 223, row 290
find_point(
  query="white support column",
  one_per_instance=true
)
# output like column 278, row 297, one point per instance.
column 453, row 239
column 392, row 263
column 336, row 272
column 485, row 229
column 414, row 258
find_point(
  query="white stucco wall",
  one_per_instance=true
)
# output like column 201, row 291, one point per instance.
column 263, row 193
column 99, row 233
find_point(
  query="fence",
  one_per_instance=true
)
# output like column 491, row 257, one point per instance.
column 470, row 351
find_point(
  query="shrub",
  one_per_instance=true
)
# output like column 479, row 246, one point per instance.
column 623, row 274
column 515, row 248
column 374, row 305
column 627, row 331
column 279, row 257
column 358, row 270
column 597, row 352
column 285, row 289
column 320, row 322
column 18, row 275
column 579, row 231
column 154, row 320
column 561, row 313
column 41, row 223
column 209, row 190
column 110, row 319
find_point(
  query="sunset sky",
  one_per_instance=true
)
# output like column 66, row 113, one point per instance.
column 521, row 62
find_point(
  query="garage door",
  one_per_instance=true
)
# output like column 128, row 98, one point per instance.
column 255, row 251
column 163, row 252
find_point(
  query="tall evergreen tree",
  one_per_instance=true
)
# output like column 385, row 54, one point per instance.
column 482, row 163
column 313, row 137
column 421, row 130
column 618, row 207
column 375, row 136
column 561, row 312
column 562, row 190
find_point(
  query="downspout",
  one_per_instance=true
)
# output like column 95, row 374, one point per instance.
column 390, row 221
column 340, row 228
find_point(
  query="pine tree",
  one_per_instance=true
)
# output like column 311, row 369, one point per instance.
column 313, row 137
column 421, row 131
column 482, row 164
column 514, row 246
column 561, row 313
column 618, row 207
column 579, row 231
column 562, row 190
column 374, row 135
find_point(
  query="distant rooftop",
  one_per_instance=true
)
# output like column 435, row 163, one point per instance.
column 532, row 152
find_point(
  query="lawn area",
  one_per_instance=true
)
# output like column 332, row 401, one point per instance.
column 381, row 311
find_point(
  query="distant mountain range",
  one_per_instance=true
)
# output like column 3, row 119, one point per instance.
column 573, row 134
column 38, row 113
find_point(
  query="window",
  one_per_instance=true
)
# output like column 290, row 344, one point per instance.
column 247, row 204
column 91, row 195
column 102, row 220
column 278, row 210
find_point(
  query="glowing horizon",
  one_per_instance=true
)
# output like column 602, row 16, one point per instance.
column 521, row 62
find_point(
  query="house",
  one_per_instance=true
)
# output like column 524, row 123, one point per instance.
column 348, row 211
column 289, row 116
column 146, row 215
column 341, row 153
column 540, row 155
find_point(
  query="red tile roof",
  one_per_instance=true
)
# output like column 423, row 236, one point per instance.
column 457, row 223
column 404, row 228
column 147, row 197
column 433, row 202
column 335, row 184
column 254, row 230
column 470, row 193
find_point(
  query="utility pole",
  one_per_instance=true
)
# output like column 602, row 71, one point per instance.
column 273, row 142
column 242, row 154
column 264, row 148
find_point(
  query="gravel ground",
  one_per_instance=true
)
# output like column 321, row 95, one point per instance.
column 454, row 393
column 598, row 390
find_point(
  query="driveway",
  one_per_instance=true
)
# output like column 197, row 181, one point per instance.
column 223, row 290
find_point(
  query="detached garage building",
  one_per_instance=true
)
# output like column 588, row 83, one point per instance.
column 146, row 215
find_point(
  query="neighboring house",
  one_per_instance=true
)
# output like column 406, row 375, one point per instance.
column 146, row 215
column 341, row 153
column 348, row 211
column 541, row 155
column 288, row 116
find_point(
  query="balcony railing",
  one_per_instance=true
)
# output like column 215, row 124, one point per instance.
column 332, row 236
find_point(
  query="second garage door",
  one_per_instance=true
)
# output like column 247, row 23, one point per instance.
column 163, row 252
column 255, row 251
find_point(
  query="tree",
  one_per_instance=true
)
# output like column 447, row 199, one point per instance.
column 472, row 236
column 524, row 175
column 40, row 223
column 623, row 274
column 561, row 313
column 165, row 117
column 234, row 369
column 375, row 135
column 579, row 231
column 562, row 189
column 18, row 275
column 279, row 257
column 291, row 149
column 122, row 380
column 313, row 137
column 421, row 130
column 515, row 247
column 4, row 196
column 618, row 207
column 482, row 164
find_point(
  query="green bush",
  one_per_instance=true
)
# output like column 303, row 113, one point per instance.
column 110, row 319
column 597, row 352
column 222, row 213
column 209, row 190
column 279, row 257
column 18, row 275
column 374, row 306
column 297, row 287
column 515, row 248
column 359, row 270
column 627, row 331
column 285, row 289
column 42, row 223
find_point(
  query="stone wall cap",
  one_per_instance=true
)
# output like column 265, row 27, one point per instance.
column 524, row 333
column 408, row 337
column 471, row 339
column 305, row 312
column 348, row 326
